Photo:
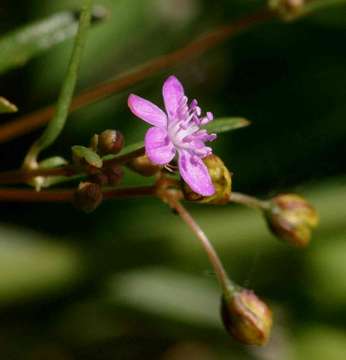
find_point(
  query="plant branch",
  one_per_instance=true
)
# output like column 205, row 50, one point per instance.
column 27, row 195
column 198, row 47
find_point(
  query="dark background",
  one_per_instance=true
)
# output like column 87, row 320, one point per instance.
column 129, row 281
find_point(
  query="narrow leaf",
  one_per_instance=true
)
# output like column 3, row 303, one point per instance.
column 226, row 124
column 88, row 155
column 19, row 46
column 6, row 106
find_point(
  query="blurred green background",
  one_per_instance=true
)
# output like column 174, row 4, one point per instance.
column 129, row 281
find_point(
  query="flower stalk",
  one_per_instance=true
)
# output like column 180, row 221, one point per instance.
column 249, row 201
column 226, row 284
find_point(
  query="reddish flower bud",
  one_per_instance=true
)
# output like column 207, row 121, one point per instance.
column 110, row 142
column 292, row 218
column 142, row 165
column 221, row 179
column 247, row 318
column 88, row 196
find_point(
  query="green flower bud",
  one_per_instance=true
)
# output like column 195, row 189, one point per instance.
column 110, row 142
column 221, row 179
column 88, row 196
column 142, row 165
column 292, row 218
column 287, row 9
column 247, row 318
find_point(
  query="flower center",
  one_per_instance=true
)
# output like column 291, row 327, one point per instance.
column 184, row 128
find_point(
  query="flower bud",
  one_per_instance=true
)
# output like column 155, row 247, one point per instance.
column 142, row 165
column 247, row 318
column 110, row 142
column 292, row 218
column 88, row 196
column 287, row 9
column 221, row 179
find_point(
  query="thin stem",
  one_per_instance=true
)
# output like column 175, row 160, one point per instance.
column 225, row 282
column 57, row 123
column 195, row 48
column 248, row 200
column 26, row 195
column 22, row 175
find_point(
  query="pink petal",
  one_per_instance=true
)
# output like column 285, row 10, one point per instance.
column 172, row 92
column 158, row 147
column 147, row 111
column 195, row 173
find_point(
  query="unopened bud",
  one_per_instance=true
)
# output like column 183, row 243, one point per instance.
column 287, row 9
column 221, row 179
column 292, row 218
column 88, row 196
column 247, row 318
column 142, row 165
column 110, row 142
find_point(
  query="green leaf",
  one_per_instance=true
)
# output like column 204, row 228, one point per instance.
column 57, row 123
column 126, row 150
column 88, row 155
column 226, row 124
column 19, row 46
column 6, row 106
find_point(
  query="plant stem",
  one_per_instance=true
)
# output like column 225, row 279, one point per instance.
column 26, row 195
column 226, row 284
column 198, row 47
column 57, row 123
column 248, row 200
column 22, row 175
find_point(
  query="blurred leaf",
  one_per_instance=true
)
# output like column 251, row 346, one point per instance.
column 226, row 124
column 6, row 106
column 90, row 156
column 19, row 46
column 30, row 264
column 168, row 294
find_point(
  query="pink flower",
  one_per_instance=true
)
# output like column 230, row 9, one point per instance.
column 177, row 131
